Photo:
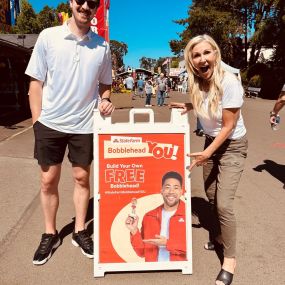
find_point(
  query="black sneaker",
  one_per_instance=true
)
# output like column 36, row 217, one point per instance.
column 48, row 243
column 83, row 240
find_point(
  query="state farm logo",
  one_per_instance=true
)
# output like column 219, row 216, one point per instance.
column 127, row 140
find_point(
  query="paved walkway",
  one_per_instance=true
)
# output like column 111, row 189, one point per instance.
column 260, row 208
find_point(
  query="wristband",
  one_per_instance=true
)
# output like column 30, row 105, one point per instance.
column 272, row 114
column 106, row 99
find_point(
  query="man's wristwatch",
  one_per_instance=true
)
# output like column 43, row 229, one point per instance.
column 106, row 99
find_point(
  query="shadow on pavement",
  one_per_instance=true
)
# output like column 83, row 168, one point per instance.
column 202, row 209
column 274, row 169
column 68, row 229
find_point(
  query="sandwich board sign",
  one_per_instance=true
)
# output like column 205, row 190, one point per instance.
column 142, row 194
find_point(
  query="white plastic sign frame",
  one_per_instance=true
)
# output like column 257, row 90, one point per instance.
column 178, row 125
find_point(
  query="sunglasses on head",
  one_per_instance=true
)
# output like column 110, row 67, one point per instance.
column 91, row 4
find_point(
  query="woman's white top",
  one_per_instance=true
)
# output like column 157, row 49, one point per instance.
column 232, row 98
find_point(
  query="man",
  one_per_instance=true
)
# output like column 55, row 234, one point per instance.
column 161, row 84
column 277, row 107
column 66, row 67
column 140, row 85
column 130, row 83
column 163, row 233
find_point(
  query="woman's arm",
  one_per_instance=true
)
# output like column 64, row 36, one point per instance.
column 185, row 106
column 229, row 121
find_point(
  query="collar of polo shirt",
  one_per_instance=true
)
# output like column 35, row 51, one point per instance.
column 70, row 35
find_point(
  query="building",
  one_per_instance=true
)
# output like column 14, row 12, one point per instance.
column 15, row 52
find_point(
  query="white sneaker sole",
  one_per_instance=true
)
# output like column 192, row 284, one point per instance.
column 77, row 245
column 41, row 262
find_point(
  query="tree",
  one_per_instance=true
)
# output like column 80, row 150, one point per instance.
column 118, row 50
column 147, row 63
column 27, row 20
column 225, row 22
column 47, row 18
column 159, row 63
column 63, row 7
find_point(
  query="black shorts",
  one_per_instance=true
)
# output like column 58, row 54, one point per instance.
column 50, row 146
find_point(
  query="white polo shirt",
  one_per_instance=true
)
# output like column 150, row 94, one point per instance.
column 71, row 70
column 232, row 98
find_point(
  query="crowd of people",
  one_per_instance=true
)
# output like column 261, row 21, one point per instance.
column 149, row 87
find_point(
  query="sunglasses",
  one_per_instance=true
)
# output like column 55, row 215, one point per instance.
column 91, row 4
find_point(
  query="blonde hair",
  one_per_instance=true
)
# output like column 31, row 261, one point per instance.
column 194, row 80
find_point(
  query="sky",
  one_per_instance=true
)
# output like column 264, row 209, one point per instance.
column 145, row 26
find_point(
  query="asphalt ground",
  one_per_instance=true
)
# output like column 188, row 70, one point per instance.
column 259, row 206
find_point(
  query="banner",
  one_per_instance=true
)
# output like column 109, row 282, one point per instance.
column 5, row 15
column 100, row 22
column 131, row 169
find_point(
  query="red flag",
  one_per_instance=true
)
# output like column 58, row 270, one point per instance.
column 100, row 22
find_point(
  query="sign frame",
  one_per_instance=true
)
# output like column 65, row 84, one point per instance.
column 178, row 125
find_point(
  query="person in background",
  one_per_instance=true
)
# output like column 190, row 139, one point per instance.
column 274, row 114
column 161, row 86
column 148, row 92
column 168, row 87
column 140, row 87
column 217, row 97
column 67, row 65
column 130, row 85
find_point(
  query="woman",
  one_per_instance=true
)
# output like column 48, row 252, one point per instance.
column 148, row 92
column 216, row 98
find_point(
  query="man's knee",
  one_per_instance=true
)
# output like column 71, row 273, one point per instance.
column 50, row 178
column 81, row 177
column 49, row 184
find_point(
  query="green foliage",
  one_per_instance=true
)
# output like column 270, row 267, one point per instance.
column 63, row 7
column 244, row 79
column 215, row 18
column 27, row 20
column 47, row 18
column 118, row 50
column 255, row 81
column 147, row 63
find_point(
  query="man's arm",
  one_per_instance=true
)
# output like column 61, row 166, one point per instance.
column 277, row 107
column 35, row 98
column 105, row 107
column 279, row 104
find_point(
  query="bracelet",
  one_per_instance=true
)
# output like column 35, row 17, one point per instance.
column 106, row 99
column 272, row 114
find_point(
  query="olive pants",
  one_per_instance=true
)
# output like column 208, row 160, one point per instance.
column 221, row 176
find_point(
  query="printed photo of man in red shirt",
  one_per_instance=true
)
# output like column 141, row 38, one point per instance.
column 163, row 233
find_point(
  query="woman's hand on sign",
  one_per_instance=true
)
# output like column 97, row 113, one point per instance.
column 186, row 107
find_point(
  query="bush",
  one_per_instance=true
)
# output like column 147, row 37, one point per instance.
column 244, row 79
column 255, row 81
